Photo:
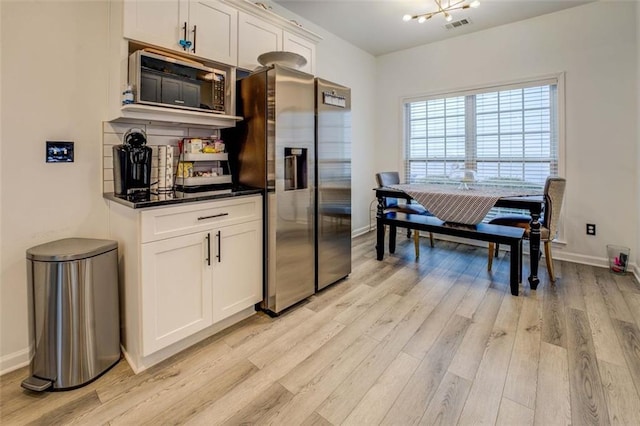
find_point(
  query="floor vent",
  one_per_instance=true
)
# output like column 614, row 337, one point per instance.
column 458, row 24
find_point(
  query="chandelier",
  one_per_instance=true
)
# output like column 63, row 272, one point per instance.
column 444, row 7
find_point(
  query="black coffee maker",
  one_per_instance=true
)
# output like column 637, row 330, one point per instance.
column 132, row 165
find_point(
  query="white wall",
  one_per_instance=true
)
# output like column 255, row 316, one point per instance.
column 595, row 45
column 54, row 85
column 343, row 63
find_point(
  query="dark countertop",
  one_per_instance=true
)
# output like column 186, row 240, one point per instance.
column 176, row 197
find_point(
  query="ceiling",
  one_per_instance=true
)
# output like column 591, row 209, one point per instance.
column 377, row 26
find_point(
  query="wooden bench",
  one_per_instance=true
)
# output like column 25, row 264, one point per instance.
column 499, row 234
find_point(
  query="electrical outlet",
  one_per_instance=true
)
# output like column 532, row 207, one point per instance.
column 591, row 229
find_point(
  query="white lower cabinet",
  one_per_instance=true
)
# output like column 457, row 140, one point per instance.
column 186, row 272
column 191, row 282
column 176, row 290
column 237, row 268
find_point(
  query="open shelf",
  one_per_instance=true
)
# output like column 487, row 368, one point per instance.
column 205, row 157
column 202, row 180
column 176, row 116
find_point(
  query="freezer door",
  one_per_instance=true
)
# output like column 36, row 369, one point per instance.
column 333, row 135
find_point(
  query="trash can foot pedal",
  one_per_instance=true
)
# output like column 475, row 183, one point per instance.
column 36, row 384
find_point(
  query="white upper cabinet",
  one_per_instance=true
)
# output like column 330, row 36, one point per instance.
column 303, row 47
column 155, row 22
column 208, row 27
column 255, row 37
column 231, row 32
column 216, row 33
column 261, row 31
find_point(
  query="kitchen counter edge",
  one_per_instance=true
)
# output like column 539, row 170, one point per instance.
column 174, row 201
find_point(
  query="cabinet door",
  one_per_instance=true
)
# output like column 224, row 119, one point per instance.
column 155, row 22
column 237, row 268
column 217, row 30
column 255, row 37
column 301, row 46
column 176, row 290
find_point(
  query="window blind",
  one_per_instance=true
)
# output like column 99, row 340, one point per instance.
column 508, row 135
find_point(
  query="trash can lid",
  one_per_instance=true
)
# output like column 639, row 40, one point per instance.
column 70, row 249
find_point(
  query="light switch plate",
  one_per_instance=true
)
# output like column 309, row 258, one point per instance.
column 59, row 152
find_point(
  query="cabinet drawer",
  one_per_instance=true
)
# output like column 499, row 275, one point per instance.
column 167, row 222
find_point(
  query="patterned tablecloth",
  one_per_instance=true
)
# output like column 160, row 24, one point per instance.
column 452, row 203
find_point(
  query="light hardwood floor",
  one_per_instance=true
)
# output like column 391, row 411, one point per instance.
column 437, row 340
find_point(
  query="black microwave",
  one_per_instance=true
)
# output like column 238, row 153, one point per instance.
column 178, row 83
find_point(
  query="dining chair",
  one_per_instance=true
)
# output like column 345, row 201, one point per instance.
column 553, row 195
column 392, row 205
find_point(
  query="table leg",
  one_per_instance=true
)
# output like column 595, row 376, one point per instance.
column 380, row 229
column 380, row 240
column 392, row 239
column 534, row 247
column 515, row 271
column 520, row 262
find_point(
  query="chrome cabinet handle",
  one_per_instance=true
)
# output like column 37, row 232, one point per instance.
column 208, row 238
column 219, row 256
column 212, row 216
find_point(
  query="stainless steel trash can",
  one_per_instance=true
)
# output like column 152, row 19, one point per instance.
column 74, row 315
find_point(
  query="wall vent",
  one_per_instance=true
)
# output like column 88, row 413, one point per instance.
column 458, row 24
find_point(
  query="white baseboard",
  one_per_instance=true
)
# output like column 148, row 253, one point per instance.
column 16, row 360
column 360, row 231
column 635, row 271
column 581, row 258
column 602, row 262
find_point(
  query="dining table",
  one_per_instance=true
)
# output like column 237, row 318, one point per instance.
column 468, row 204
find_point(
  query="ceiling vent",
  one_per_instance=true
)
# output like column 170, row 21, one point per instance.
column 458, row 24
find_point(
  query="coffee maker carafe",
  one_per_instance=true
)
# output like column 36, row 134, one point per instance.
column 132, row 165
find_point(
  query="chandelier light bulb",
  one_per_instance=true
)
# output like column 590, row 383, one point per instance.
column 448, row 17
column 474, row 4
column 407, row 18
column 421, row 19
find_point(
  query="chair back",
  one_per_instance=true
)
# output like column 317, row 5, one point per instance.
column 553, row 194
column 386, row 179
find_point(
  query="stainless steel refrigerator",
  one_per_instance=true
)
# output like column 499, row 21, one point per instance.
column 274, row 148
column 333, row 184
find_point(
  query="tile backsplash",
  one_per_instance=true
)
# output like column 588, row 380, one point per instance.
column 158, row 137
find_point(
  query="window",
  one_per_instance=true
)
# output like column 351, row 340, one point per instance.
column 507, row 135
